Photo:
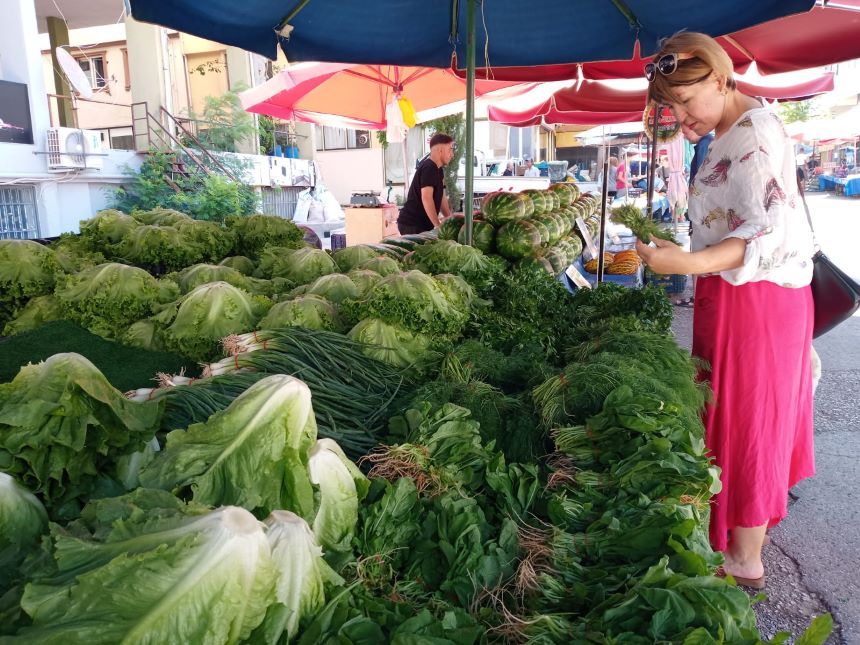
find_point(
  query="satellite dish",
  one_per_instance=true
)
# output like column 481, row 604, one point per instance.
column 75, row 75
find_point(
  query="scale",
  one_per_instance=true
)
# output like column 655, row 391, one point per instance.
column 365, row 199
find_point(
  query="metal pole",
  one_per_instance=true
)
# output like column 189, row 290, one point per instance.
column 657, row 109
column 604, row 194
column 470, row 117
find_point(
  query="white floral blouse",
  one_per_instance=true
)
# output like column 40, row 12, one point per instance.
column 747, row 188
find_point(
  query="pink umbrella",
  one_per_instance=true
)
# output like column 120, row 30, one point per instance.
column 358, row 94
column 598, row 103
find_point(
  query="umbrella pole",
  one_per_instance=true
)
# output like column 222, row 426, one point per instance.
column 604, row 194
column 405, row 171
column 470, row 117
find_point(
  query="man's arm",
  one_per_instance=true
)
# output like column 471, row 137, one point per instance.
column 429, row 206
column 446, row 208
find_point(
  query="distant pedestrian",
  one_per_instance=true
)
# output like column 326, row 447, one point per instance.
column 531, row 169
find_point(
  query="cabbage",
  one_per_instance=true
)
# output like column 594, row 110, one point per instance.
column 253, row 453
column 159, row 249
column 212, row 240
column 303, row 266
column 336, row 287
column 390, row 344
column 35, row 313
column 108, row 227
column 258, row 231
column 364, row 279
column 196, row 323
column 22, row 521
column 351, row 257
column 301, row 577
column 108, row 298
column 310, row 312
column 160, row 217
column 27, row 269
column 192, row 277
column 240, row 263
column 412, row 301
column 382, row 265
column 62, row 425
column 180, row 579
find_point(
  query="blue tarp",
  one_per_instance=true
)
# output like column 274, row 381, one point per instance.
column 423, row 33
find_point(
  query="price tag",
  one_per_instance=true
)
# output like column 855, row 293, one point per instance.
column 590, row 246
column 577, row 278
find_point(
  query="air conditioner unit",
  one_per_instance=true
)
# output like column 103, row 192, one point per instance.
column 70, row 148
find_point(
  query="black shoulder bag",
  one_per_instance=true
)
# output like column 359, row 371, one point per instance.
column 835, row 295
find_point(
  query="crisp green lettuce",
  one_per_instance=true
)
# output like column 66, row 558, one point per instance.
column 27, row 269
column 192, row 277
column 22, row 522
column 35, row 313
column 62, row 426
column 301, row 577
column 195, row 324
column 364, row 280
column 352, row 257
column 108, row 298
column 335, row 287
column 253, row 454
column 213, row 241
column 192, row 579
column 381, row 264
column 241, row 263
column 108, row 227
column 310, row 312
column 158, row 249
column 303, row 266
column 391, row 344
column 160, row 217
column 337, row 515
column 259, row 231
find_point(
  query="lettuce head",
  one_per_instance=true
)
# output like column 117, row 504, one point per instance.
column 310, row 312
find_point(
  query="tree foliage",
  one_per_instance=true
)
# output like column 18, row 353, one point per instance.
column 455, row 126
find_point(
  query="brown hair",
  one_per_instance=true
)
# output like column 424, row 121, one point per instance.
column 708, row 57
column 440, row 137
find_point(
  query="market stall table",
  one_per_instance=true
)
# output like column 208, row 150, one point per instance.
column 850, row 184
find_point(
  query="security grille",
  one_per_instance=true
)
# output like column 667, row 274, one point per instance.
column 280, row 201
column 18, row 219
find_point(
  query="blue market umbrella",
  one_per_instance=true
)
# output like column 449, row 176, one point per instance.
column 431, row 33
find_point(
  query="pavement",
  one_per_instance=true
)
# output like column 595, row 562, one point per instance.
column 812, row 565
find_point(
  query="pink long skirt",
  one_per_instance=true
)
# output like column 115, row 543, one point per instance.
column 757, row 339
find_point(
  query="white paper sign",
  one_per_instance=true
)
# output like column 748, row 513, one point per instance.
column 586, row 235
column 577, row 278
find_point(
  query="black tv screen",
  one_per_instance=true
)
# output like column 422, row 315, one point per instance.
column 15, row 124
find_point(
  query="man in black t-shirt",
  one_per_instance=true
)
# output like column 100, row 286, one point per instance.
column 426, row 199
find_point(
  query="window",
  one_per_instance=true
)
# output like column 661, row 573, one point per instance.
column 342, row 138
column 18, row 219
column 94, row 68
column 125, row 69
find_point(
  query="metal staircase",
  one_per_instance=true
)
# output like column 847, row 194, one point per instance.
column 167, row 133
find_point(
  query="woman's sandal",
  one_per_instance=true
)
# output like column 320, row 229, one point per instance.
column 751, row 583
column 686, row 302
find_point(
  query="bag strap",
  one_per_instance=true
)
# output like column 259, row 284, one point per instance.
column 808, row 216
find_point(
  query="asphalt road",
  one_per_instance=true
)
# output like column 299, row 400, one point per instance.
column 813, row 565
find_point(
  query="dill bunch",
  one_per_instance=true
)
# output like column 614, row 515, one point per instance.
column 642, row 226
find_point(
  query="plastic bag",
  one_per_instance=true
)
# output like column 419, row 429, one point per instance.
column 408, row 111
column 303, row 203
column 395, row 131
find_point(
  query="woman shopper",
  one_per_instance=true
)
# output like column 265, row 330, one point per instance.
column 752, row 251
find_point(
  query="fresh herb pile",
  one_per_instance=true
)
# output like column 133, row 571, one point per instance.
column 418, row 444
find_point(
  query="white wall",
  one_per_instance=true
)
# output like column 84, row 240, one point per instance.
column 346, row 171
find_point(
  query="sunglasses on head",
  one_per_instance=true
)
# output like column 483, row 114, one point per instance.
column 666, row 64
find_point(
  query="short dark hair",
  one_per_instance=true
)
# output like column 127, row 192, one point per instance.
column 440, row 137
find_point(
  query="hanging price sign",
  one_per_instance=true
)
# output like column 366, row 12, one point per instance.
column 667, row 126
